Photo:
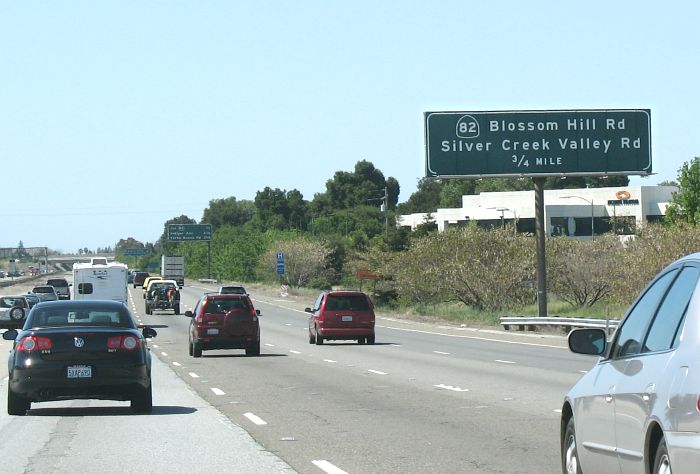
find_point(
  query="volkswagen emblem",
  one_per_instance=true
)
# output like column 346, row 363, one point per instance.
column 78, row 341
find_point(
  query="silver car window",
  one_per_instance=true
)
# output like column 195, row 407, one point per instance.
column 671, row 312
column 631, row 334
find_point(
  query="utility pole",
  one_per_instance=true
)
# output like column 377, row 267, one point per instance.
column 385, row 208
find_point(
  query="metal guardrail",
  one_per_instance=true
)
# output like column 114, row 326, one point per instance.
column 529, row 323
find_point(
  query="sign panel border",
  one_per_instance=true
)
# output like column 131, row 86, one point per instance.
column 432, row 174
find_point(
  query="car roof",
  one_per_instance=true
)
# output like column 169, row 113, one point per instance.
column 162, row 281
column 345, row 292
column 107, row 305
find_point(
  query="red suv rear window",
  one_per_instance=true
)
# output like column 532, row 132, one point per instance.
column 347, row 302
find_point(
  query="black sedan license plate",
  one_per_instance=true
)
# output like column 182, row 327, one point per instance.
column 79, row 372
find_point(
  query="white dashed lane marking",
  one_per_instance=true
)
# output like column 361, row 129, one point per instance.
column 504, row 361
column 376, row 372
column 327, row 467
column 193, row 375
column 255, row 419
column 330, row 361
column 450, row 387
column 218, row 391
column 295, row 352
column 443, row 353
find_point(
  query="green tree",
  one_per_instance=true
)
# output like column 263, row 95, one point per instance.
column 584, row 272
column 305, row 261
column 228, row 211
column 685, row 205
column 426, row 198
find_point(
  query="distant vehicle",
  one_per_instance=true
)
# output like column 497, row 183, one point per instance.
column 173, row 268
column 224, row 322
column 341, row 315
column 79, row 350
column 2, row 274
column 139, row 277
column 232, row 290
column 100, row 281
column 13, row 309
column 147, row 282
column 638, row 408
column 45, row 292
column 162, row 295
column 62, row 287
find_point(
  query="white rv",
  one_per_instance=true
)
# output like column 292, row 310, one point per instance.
column 100, row 280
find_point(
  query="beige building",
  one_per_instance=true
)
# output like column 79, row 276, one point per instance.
column 577, row 213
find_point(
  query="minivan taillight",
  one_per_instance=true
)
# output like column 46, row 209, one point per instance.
column 33, row 343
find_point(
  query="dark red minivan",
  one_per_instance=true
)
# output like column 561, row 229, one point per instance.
column 224, row 322
column 343, row 314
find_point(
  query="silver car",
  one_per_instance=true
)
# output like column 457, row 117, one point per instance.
column 45, row 292
column 638, row 409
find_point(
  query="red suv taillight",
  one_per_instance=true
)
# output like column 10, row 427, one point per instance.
column 123, row 342
column 33, row 343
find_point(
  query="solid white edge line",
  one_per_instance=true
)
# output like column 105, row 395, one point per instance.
column 217, row 391
column 488, row 339
column 325, row 466
column 255, row 419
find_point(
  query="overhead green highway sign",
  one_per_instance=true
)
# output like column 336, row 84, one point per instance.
column 538, row 143
column 135, row 251
column 189, row 232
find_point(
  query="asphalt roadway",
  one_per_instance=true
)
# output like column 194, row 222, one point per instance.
column 425, row 398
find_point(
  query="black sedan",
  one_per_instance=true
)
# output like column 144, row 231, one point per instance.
column 79, row 350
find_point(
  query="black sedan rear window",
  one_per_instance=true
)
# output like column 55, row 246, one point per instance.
column 59, row 318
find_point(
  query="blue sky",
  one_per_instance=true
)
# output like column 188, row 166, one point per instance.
column 119, row 115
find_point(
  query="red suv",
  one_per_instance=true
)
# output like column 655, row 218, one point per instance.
column 341, row 315
column 224, row 322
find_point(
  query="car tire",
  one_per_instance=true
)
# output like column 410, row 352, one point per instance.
column 17, row 314
column 319, row 338
column 662, row 461
column 148, row 310
column 17, row 405
column 361, row 340
column 177, row 309
column 196, row 350
column 143, row 402
column 570, row 462
column 312, row 338
column 191, row 348
column 370, row 339
column 253, row 350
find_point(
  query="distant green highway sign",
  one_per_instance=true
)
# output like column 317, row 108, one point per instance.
column 538, row 143
column 189, row 232
column 136, row 251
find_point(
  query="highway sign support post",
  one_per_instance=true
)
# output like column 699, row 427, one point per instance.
column 538, row 144
column 539, row 236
